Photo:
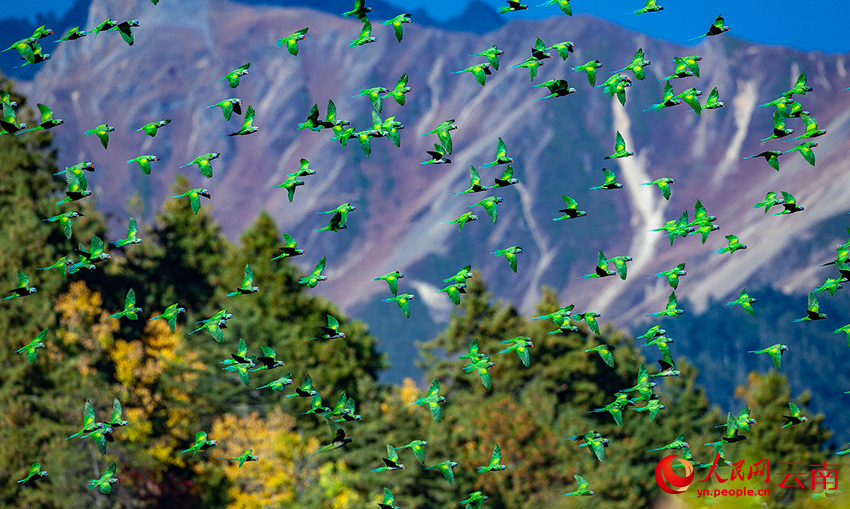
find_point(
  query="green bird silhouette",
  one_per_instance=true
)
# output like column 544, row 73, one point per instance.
column 247, row 285
column 433, row 400
column 132, row 235
column 492, row 55
column 130, row 310
column 102, row 131
column 557, row 88
column 637, row 65
column 494, row 465
column 583, row 486
column 194, row 196
column 31, row 348
column 521, row 345
column 604, row 351
column 365, row 36
column 170, row 315
column 512, row 6
column 201, row 443
column 805, row 150
column 745, row 301
column 716, row 28
column 390, row 462
column 530, row 63
column 332, row 330
column 446, row 468
column 144, row 162
column 589, row 68
column 105, row 481
column 480, row 366
column 510, row 254
column 564, row 5
column 813, row 310
column 480, row 71
column 734, row 245
column 453, row 291
column 279, row 384
column 462, row 220
column 775, row 352
column 290, row 247
column 229, row 107
column 248, row 126
column 398, row 24
column 23, row 289
column 233, row 76
column 712, row 102
column 667, row 99
column 671, row 309
column 34, row 474
column 417, row 446
column 403, row 301
column 64, row 220
column 242, row 458
column 392, row 280
column 291, row 41
column 47, row 121
column 796, row 416
column 151, row 128
column 203, row 162
column 610, row 181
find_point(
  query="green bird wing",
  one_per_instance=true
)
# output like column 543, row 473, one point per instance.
column 320, row 267
column 88, row 415
column 389, row 498
column 775, row 356
column 598, row 448
column 195, row 200
column 501, row 150
column 247, row 278
column 391, row 454
column 619, row 143
column 99, row 440
column 672, row 302
column 76, row 182
column 814, row 305
column 248, row 122
column 448, row 473
column 47, row 114
column 795, row 410
column 130, row 300
column 788, row 198
column 496, row 458
column 610, row 177
column 620, row 265
column 116, row 410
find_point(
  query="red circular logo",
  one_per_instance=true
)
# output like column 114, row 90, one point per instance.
column 668, row 480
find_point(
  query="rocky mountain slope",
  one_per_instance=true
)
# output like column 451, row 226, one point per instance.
column 173, row 71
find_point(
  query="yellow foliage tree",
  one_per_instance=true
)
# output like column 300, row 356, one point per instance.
column 285, row 475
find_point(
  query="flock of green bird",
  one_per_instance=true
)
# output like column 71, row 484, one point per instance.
column 343, row 412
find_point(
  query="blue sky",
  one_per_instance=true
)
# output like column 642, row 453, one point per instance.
column 802, row 25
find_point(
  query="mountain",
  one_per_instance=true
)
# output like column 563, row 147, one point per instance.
column 174, row 68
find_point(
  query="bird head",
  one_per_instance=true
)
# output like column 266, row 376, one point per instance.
column 784, row 348
column 113, row 480
column 498, row 199
column 213, row 442
column 43, row 473
column 40, row 345
column 33, row 290
column 453, row 464
column 205, row 193
column 442, row 399
column 323, row 278
column 133, row 23
column 804, row 419
column 154, row 158
column 253, row 458
column 518, row 249
column 181, row 310
column 109, row 128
